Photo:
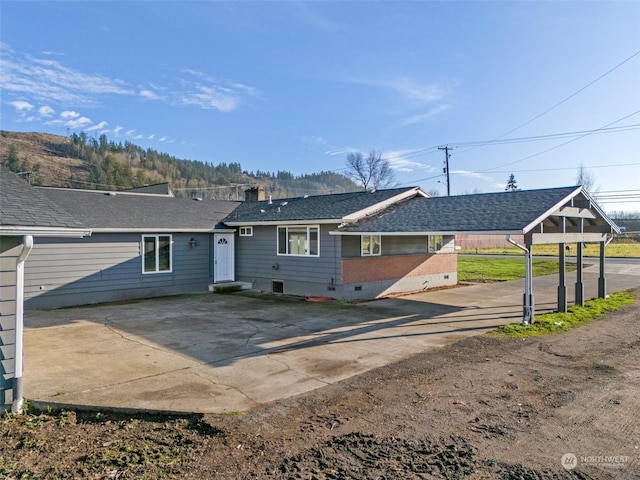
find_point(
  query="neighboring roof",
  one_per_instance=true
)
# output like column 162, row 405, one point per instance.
column 121, row 211
column 504, row 212
column 26, row 211
column 329, row 208
column 158, row 189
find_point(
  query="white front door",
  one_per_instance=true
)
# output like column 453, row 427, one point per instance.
column 223, row 265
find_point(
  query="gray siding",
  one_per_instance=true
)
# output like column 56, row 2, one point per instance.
column 9, row 250
column 257, row 262
column 398, row 245
column 108, row 267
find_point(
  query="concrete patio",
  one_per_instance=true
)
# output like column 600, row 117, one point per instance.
column 232, row 352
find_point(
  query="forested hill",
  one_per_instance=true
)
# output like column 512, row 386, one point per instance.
column 82, row 161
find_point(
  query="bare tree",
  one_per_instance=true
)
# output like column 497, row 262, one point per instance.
column 585, row 178
column 372, row 172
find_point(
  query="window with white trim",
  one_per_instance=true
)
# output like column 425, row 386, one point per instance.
column 299, row 240
column 434, row 243
column 246, row 231
column 157, row 253
column 370, row 245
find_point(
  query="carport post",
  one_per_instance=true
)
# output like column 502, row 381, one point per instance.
column 528, row 314
column 602, row 282
column 527, row 301
column 562, row 286
column 579, row 284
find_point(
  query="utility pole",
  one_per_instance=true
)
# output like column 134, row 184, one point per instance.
column 446, row 167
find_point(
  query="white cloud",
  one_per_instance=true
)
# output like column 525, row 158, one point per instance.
column 211, row 97
column 421, row 117
column 78, row 122
column 469, row 173
column 401, row 163
column 69, row 114
column 150, row 95
column 414, row 91
column 117, row 130
column 129, row 133
column 46, row 111
column 207, row 92
column 162, row 139
column 21, row 106
column 44, row 79
column 151, row 137
column 98, row 126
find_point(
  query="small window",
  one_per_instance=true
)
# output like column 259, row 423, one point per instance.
column 370, row 245
column 246, row 231
column 434, row 243
column 277, row 286
column 299, row 241
column 157, row 253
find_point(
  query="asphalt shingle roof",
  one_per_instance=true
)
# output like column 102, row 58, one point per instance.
column 489, row 212
column 21, row 205
column 317, row 207
column 100, row 210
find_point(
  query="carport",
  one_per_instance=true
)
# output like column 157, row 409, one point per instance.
column 547, row 216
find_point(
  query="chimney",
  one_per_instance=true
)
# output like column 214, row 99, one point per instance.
column 254, row 194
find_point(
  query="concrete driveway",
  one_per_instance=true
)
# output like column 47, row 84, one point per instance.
column 216, row 352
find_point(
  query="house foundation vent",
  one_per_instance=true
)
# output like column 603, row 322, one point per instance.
column 277, row 286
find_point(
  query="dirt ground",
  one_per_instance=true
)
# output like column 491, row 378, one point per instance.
column 559, row 406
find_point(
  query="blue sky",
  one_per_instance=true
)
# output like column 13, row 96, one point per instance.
column 298, row 85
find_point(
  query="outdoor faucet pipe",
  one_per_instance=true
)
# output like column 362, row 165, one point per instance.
column 18, row 395
column 527, row 317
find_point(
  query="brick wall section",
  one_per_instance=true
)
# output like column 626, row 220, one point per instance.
column 371, row 269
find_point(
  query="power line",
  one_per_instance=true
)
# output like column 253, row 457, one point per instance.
column 564, row 168
column 570, row 96
column 549, row 136
column 590, row 132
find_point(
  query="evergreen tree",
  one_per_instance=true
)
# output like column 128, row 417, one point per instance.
column 512, row 185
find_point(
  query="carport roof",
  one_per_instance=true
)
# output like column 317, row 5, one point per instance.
column 516, row 212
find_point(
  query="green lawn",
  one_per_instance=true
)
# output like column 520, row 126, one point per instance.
column 559, row 322
column 590, row 250
column 483, row 269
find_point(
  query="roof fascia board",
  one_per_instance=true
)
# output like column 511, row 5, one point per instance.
column 544, row 215
column 45, row 231
column 604, row 216
column 355, row 216
column 158, row 230
column 432, row 232
column 284, row 222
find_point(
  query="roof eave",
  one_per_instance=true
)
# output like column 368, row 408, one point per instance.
column 284, row 222
column 17, row 230
column 432, row 232
column 155, row 230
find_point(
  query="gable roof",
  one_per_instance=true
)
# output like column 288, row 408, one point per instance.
column 331, row 208
column 504, row 212
column 25, row 211
column 124, row 211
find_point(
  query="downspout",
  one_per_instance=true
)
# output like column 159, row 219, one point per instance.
column 527, row 316
column 18, row 391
